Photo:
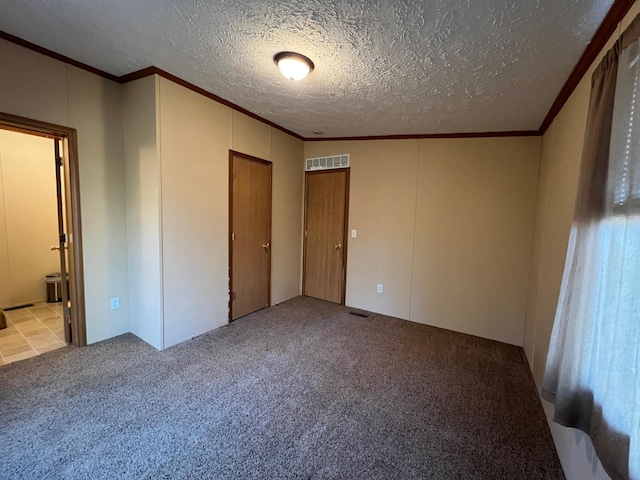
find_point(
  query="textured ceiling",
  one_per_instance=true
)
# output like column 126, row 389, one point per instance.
column 381, row 67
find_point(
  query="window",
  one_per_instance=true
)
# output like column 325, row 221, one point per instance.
column 593, row 366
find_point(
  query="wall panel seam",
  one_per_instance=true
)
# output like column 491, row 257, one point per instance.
column 415, row 231
column 158, row 84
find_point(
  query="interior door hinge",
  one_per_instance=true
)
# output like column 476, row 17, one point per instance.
column 233, row 237
column 59, row 161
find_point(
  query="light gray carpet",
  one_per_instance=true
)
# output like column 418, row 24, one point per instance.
column 301, row 390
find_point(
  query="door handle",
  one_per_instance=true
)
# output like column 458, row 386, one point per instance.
column 338, row 246
column 55, row 247
column 266, row 246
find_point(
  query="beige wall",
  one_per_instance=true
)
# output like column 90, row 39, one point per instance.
column 560, row 163
column 445, row 226
column 142, row 172
column 28, row 216
column 38, row 87
column 194, row 145
column 476, row 205
column 287, row 155
column 189, row 170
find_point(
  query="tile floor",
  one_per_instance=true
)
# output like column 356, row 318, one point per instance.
column 31, row 331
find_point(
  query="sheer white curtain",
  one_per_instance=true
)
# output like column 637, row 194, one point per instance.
column 593, row 366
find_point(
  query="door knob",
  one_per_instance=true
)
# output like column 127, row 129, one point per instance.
column 266, row 246
column 338, row 246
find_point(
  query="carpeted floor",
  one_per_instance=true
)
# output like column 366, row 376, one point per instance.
column 302, row 390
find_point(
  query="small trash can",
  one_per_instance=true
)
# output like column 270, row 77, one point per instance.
column 54, row 287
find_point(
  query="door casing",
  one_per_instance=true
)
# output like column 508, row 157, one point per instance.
column 73, row 222
column 347, row 172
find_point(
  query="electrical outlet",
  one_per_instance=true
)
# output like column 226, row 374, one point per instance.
column 115, row 303
column 379, row 288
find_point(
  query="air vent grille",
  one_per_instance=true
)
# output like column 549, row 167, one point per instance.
column 326, row 163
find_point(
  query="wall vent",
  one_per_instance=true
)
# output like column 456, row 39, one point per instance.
column 326, row 163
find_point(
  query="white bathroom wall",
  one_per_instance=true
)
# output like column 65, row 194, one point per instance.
column 28, row 215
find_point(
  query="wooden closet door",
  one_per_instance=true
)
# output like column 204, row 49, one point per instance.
column 326, row 200
column 250, row 219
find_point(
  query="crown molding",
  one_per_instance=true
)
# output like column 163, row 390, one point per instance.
column 607, row 28
column 513, row 133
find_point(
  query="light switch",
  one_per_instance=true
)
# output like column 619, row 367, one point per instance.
column 354, row 233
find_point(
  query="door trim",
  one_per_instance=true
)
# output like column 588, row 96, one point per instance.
column 72, row 199
column 233, row 153
column 347, row 171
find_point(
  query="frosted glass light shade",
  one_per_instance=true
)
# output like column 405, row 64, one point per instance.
column 293, row 65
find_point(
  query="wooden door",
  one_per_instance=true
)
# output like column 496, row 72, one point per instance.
column 326, row 206
column 250, row 242
column 62, row 240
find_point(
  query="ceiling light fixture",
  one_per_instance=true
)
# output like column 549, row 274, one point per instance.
column 293, row 65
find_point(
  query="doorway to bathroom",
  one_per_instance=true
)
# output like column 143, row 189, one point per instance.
column 41, row 281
